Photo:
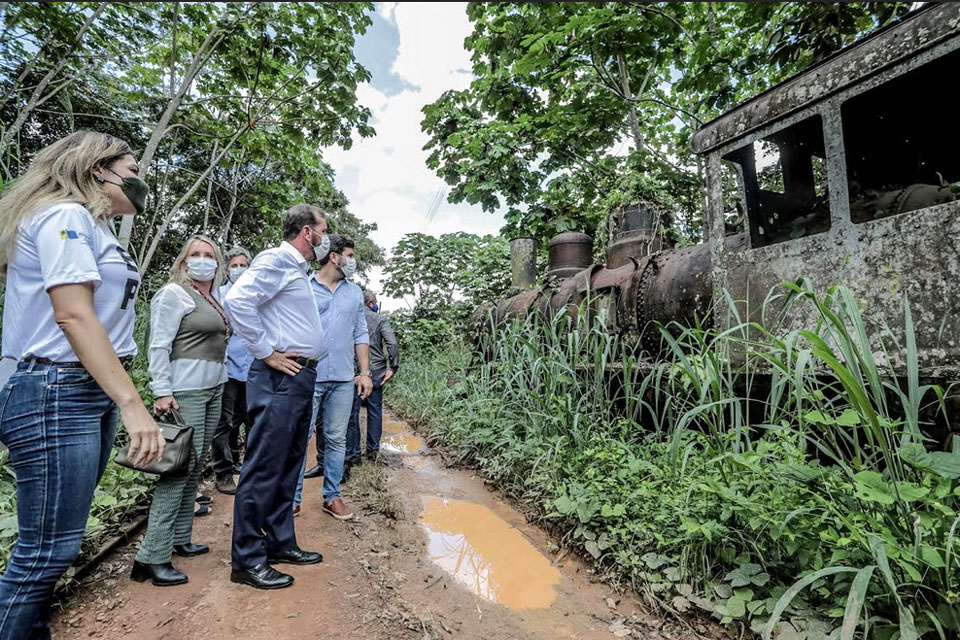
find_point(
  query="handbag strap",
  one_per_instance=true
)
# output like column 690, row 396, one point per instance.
column 177, row 418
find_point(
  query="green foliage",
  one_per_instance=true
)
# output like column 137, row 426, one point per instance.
column 274, row 83
column 576, row 108
column 797, row 496
column 454, row 266
column 447, row 278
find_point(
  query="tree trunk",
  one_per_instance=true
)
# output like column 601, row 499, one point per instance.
column 228, row 220
column 206, row 210
column 25, row 112
column 160, row 193
column 625, row 86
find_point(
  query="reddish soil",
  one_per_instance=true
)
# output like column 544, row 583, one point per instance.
column 376, row 580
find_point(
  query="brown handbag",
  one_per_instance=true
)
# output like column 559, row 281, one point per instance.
column 177, row 452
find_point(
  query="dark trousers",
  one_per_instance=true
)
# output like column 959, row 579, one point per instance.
column 374, row 424
column 226, row 439
column 279, row 408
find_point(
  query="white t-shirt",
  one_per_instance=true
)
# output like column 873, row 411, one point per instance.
column 64, row 244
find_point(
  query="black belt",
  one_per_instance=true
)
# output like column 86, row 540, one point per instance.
column 306, row 362
column 126, row 361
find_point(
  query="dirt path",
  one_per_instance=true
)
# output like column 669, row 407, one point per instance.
column 431, row 554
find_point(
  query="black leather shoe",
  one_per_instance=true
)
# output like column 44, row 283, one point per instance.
column 189, row 550
column 262, row 576
column 314, row 472
column 371, row 456
column 161, row 575
column 295, row 556
column 204, row 499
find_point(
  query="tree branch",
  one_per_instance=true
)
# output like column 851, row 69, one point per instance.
column 14, row 129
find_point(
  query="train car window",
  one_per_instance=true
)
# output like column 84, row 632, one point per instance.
column 734, row 209
column 901, row 143
column 784, row 183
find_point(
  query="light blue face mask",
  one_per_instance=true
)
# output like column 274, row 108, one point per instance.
column 348, row 269
column 321, row 250
column 375, row 308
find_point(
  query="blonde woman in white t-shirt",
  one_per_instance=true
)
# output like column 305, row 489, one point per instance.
column 187, row 363
column 68, row 321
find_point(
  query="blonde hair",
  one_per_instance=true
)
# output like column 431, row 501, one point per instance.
column 60, row 172
column 178, row 272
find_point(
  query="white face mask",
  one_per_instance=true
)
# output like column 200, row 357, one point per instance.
column 321, row 250
column 235, row 273
column 349, row 269
column 201, row 269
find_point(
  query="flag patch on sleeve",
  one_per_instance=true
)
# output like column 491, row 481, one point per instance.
column 69, row 234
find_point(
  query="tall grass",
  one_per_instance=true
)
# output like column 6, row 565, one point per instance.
column 739, row 459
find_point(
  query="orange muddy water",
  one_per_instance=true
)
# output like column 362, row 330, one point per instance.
column 401, row 443
column 487, row 555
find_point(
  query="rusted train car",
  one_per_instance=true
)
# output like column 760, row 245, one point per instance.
column 846, row 173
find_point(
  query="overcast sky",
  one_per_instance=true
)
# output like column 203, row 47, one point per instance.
column 414, row 52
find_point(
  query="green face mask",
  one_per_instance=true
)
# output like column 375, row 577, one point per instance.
column 134, row 188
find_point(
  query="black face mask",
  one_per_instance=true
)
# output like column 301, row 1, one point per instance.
column 133, row 187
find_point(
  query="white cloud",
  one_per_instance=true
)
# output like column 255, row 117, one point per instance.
column 386, row 9
column 386, row 177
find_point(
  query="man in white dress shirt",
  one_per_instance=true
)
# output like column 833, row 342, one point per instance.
column 273, row 311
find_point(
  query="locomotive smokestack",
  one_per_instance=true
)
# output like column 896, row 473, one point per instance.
column 523, row 263
column 633, row 234
column 568, row 254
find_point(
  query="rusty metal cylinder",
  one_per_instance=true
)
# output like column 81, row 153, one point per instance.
column 523, row 263
column 568, row 254
column 633, row 234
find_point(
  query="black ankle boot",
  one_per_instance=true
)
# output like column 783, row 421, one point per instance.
column 161, row 575
column 189, row 550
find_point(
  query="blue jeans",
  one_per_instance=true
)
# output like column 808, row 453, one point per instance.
column 59, row 426
column 374, row 423
column 336, row 399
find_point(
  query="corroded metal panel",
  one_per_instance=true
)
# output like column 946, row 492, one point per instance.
column 908, row 256
column 568, row 253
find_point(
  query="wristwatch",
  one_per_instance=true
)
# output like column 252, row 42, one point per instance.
column 366, row 373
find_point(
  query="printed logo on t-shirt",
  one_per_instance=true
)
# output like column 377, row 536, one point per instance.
column 69, row 234
column 130, row 291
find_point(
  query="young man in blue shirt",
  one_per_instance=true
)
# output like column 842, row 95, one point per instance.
column 340, row 304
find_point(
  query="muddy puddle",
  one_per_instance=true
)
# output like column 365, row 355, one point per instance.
column 401, row 443
column 392, row 426
column 460, row 564
column 475, row 546
column 487, row 555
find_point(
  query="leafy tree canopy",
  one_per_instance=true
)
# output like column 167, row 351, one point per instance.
column 578, row 107
column 227, row 104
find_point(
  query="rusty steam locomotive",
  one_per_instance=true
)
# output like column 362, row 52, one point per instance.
column 846, row 173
